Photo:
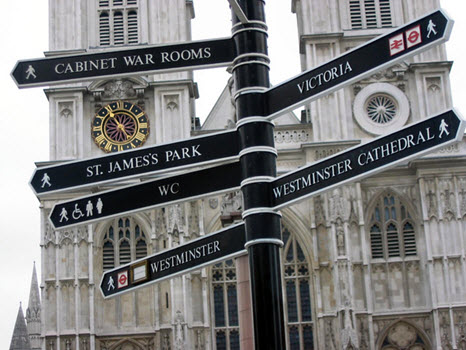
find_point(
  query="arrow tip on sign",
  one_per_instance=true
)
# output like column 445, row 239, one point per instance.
column 101, row 284
column 450, row 23
column 24, row 74
column 31, row 183
column 462, row 126
column 13, row 76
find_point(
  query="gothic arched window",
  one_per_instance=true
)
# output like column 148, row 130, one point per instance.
column 226, row 324
column 118, row 22
column 391, row 229
column 297, row 295
column 298, row 311
column 370, row 14
column 123, row 242
column 396, row 272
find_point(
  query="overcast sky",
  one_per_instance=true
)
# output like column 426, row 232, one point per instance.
column 24, row 121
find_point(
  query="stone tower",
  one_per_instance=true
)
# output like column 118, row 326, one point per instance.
column 388, row 250
column 75, row 316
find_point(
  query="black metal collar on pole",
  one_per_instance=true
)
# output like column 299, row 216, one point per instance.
column 258, row 165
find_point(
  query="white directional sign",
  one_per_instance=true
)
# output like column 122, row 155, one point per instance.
column 368, row 159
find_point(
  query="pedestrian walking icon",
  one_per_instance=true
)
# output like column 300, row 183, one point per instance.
column 110, row 284
column 46, row 180
column 443, row 129
column 431, row 29
column 30, row 72
column 63, row 215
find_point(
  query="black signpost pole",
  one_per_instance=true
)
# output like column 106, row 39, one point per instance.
column 258, row 166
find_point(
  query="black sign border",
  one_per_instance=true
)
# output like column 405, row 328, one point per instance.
column 129, row 50
column 457, row 138
column 217, row 161
column 206, row 172
column 402, row 56
column 143, row 284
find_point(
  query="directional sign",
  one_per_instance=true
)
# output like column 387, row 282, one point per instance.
column 358, row 63
column 147, row 195
column 142, row 161
column 365, row 160
column 195, row 254
column 141, row 60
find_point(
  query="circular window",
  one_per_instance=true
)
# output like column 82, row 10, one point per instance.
column 380, row 108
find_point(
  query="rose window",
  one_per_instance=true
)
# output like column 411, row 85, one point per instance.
column 381, row 109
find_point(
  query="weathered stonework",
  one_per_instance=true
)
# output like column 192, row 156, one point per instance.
column 355, row 286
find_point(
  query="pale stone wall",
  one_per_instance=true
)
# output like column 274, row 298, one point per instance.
column 355, row 300
column 74, row 312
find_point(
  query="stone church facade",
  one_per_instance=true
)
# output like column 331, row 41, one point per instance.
column 375, row 264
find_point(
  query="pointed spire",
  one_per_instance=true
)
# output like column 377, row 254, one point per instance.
column 33, row 310
column 20, row 338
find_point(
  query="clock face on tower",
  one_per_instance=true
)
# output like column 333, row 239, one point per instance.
column 120, row 126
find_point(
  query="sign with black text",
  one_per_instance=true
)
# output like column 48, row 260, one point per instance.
column 193, row 255
column 360, row 62
column 146, row 195
column 368, row 159
column 141, row 161
column 137, row 61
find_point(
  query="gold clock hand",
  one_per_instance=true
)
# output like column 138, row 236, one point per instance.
column 109, row 112
column 122, row 128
